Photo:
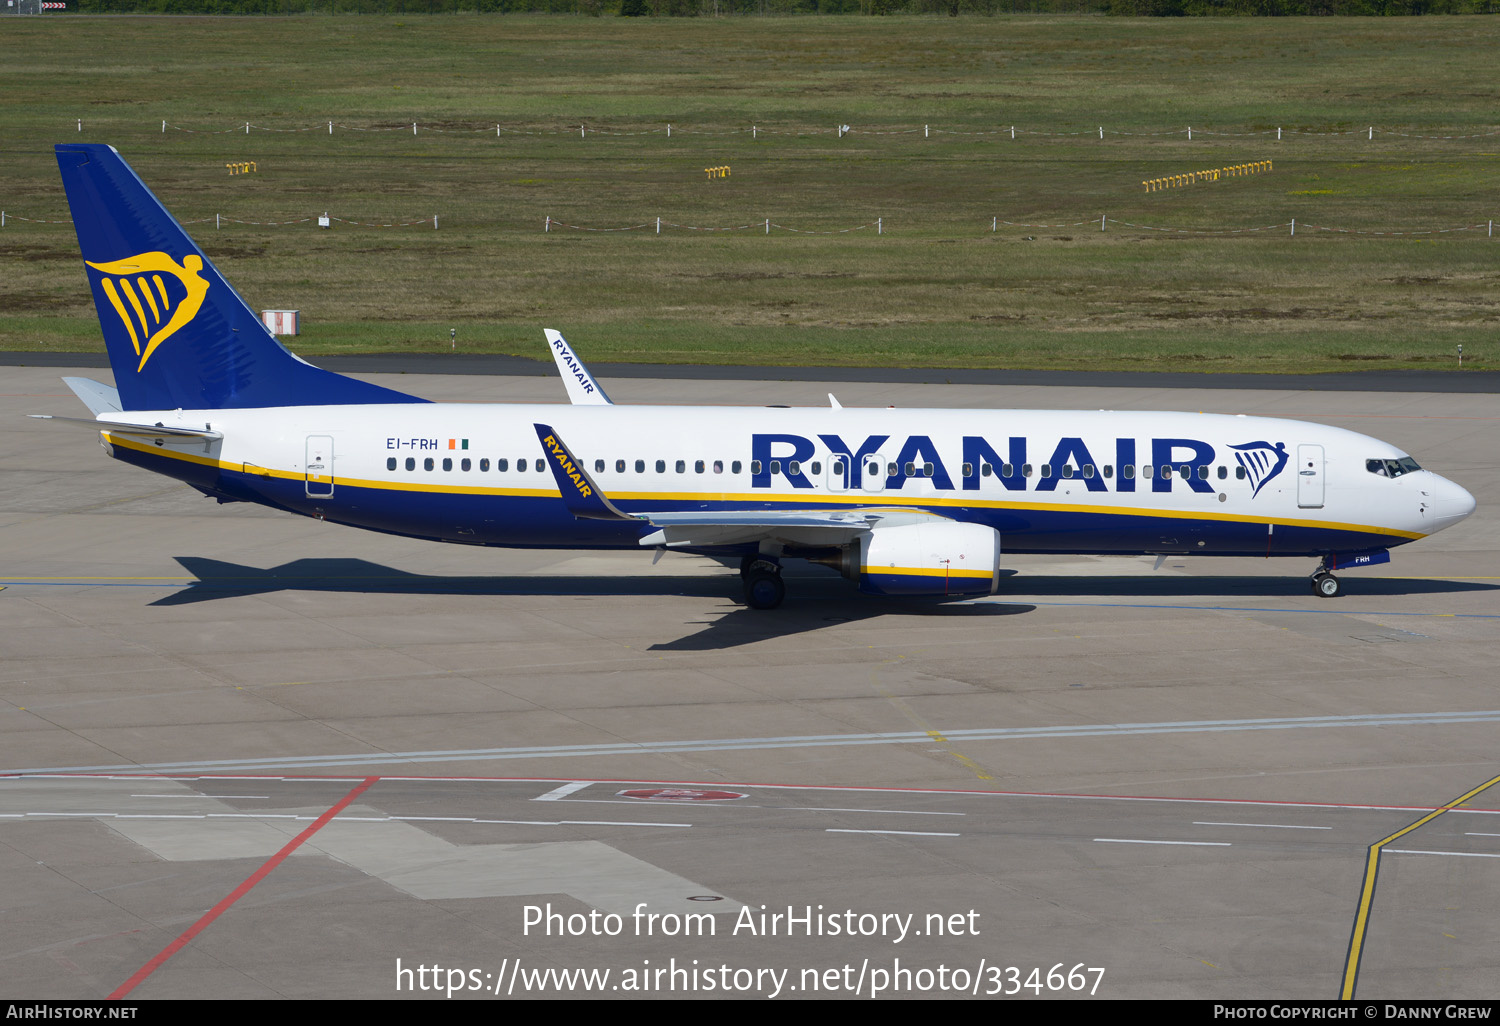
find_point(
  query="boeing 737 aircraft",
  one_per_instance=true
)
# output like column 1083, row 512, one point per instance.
column 902, row 502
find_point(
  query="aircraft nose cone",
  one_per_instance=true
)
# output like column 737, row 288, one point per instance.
column 1451, row 502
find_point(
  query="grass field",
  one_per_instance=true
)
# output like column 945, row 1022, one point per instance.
column 936, row 288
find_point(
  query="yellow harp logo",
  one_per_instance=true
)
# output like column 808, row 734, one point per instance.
column 151, row 309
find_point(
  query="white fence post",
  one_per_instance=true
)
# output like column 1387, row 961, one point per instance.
column 434, row 222
column 878, row 228
column 1294, row 226
column 1101, row 222
column 216, row 221
column 247, row 128
column 163, row 126
column 768, row 226
column 995, row 224
column 1012, row 133
column 548, row 228
column 753, row 130
column 581, row 133
column 926, row 131
column 1190, row 133
column 1371, row 136
column 658, row 226
column 330, row 126
column 1101, row 131
column 413, row 128
column 1278, row 133
column 80, row 124
column 669, row 129
column 497, row 130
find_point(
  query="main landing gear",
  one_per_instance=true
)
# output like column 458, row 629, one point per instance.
column 1324, row 583
column 764, row 588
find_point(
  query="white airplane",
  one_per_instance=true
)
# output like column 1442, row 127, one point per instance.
column 902, row 502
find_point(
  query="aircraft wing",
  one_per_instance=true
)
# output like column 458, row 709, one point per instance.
column 699, row 528
column 808, row 527
column 583, row 390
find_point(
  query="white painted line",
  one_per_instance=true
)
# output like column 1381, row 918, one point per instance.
column 563, row 791
column 1200, row 844
column 615, row 822
column 1270, row 826
column 1472, row 834
column 741, row 744
column 904, row 833
column 1465, row 854
column 200, row 796
column 895, row 812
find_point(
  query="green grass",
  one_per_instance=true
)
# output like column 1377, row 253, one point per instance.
column 938, row 288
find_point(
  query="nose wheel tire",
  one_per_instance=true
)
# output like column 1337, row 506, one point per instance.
column 763, row 589
column 1327, row 585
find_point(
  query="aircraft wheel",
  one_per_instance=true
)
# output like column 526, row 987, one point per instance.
column 1327, row 585
column 763, row 590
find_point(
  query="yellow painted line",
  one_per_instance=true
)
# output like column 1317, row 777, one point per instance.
column 864, row 500
column 1367, row 890
column 977, row 769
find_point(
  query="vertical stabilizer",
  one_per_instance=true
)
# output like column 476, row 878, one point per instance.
column 178, row 335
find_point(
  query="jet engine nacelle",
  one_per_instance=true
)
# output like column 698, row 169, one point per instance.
column 938, row 558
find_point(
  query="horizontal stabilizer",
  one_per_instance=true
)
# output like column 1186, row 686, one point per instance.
column 135, row 430
column 99, row 398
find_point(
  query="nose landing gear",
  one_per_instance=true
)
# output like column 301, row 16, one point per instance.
column 1324, row 583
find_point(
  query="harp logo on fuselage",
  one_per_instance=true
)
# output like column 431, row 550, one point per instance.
column 154, row 296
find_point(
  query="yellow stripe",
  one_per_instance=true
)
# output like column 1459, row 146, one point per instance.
column 917, row 571
column 114, row 298
column 151, row 300
column 1367, row 890
column 134, row 302
column 894, row 499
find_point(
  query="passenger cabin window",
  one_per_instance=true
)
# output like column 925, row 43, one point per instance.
column 411, row 463
column 640, row 466
column 1223, row 473
column 661, row 466
column 754, row 466
column 1109, row 470
column 719, row 467
column 698, row 467
column 520, row 466
column 598, row 466
column 682, row 466
column 734, row 468
column 427, row 463
column 447, row 463
column 502, row 465
column 1239, row 473
column 619, row 466
column 390, row 463
column 817, row 468
column 539, row 465
column 1046, row 470
column 484, row 465
column 1128, row 472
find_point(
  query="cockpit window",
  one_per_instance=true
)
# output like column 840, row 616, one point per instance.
column 1392, row 468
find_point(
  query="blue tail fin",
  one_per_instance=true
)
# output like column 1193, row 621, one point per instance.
column 178, row 336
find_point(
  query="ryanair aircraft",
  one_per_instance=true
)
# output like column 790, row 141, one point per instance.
column 902, row 502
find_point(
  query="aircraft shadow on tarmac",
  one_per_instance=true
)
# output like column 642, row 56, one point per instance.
column 815, row 600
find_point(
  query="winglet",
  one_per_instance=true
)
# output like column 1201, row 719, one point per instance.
column 579, row 493
column 583, row 390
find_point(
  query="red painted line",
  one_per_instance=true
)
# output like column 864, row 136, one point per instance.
column 239, row 892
